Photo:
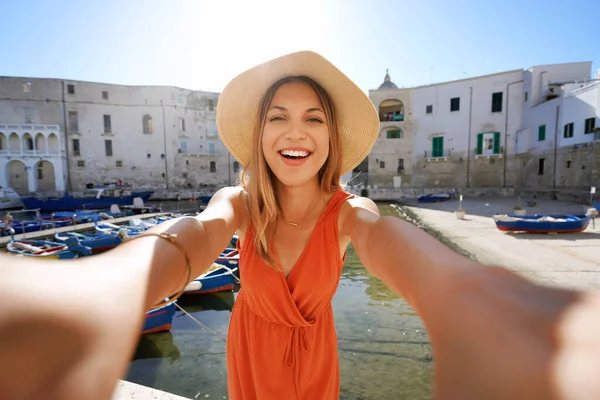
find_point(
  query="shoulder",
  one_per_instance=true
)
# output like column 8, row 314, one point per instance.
column 232, row 198
column 356, row 213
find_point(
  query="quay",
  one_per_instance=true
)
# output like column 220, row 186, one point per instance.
column 129, row 391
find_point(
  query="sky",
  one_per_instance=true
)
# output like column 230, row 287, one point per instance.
column 201, row 45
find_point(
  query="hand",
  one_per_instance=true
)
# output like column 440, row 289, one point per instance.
column 67, row 329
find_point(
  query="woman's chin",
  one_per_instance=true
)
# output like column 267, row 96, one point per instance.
column 299, row 178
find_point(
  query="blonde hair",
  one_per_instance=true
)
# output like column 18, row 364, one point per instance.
column 257, row 178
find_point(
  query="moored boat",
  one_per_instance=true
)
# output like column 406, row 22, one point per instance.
column 434, row 198
column 95, row 241
column 92, row 198
column 9, row 199
column 159, row 319
column 218, row 278
column 41, row 248
column 542, row 223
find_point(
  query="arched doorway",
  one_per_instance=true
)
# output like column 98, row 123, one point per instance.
column 28, row 145
column 40, row 144
column 45, row 176
column 17, row 176
column 3, row 142
column 53, row 144
column 14, row 142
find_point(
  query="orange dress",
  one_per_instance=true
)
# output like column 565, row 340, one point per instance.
column 282, row 342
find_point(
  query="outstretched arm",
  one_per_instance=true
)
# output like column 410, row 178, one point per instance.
column 495, row 335
column 68, row 328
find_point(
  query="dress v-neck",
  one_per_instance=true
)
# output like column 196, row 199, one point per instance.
column 309, row 242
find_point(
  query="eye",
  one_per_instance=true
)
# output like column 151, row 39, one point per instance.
column 315, row 119
column 276, row 118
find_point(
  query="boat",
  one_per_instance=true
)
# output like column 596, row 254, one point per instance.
column 95, row 241
column 9, row 199
column 91, row 198
column 10, row 227
column 542, row 223
column 159, row 319
column 69, row 250
column 434, row 198
column 597, row 206
column 218, row 278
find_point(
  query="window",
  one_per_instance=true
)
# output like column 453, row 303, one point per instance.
column 108, row 148
column 455, row 104
column 73, row 121
column 429, row 109
column 184, row 175
column 394, row 134
column 147, row 124
column 381, row 164
column 541, row 133
column 211, row 131
column 28, row 115
column 590, row 125
column 211, row 105
column 568, row 163
column 497, row 102
column 71, row 89
column 40, row 172
column 236, row 167
column 526, row 96
column 212, row 148
column 187, row 162
column 76, row 150
column 438, row 146
column 568, row 131
column 182, row 124
column 80, row 163
column 183, row 147
column 26, row 87
column 488, row 143
column 213, row 166
column 119, row 164
column 401, row 165
column 105, row 95
column 107, row 124
column 179, row 98
column 541, row 162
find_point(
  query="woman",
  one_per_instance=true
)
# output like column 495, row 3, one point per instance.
column 296, row 123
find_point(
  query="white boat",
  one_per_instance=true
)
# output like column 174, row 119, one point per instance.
column 9, row 199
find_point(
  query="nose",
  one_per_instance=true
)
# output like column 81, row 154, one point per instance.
column 295, row 132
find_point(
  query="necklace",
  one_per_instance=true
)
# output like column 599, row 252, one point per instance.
column 296, row 224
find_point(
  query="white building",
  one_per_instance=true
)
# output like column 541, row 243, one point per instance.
column 157, row 137
column 483, row 131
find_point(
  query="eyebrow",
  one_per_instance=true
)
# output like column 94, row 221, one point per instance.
column 282, row 108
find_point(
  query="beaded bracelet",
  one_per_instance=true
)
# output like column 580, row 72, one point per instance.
column 170, row 237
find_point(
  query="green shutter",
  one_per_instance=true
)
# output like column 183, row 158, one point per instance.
column 438, row 147
column 542, row 133
column 496, row 142
column 479, row 143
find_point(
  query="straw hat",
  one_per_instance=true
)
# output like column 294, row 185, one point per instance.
column 239, row 103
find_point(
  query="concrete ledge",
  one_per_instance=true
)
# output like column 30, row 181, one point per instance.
column 127, row 390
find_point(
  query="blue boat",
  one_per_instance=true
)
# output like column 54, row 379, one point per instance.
column 92, row 198
column 69, row 250
column 95, row 241
column 542, row 223
column 597, row 206
column 217, row 279
column 159, row 320
column 22, row 226
column 434, row 198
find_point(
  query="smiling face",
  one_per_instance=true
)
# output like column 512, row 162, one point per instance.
column 295, row 137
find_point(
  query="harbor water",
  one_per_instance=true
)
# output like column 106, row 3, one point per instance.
column 384, row 350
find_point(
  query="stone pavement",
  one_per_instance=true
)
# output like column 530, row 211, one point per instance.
column 569, row 259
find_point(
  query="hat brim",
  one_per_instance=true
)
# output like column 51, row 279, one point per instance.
column 239, row 103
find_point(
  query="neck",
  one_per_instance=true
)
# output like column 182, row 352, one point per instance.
column 295, row 201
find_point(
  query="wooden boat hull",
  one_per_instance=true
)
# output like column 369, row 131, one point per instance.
column 218, row 280
column 433, row 198
column 159, row 320
column 68, row 203
column 542, row 223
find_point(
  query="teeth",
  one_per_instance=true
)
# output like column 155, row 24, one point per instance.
column 295, row 153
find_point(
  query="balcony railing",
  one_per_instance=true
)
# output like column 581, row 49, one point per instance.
column 391, row 117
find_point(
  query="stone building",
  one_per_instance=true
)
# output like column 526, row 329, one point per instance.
column 154, row 137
